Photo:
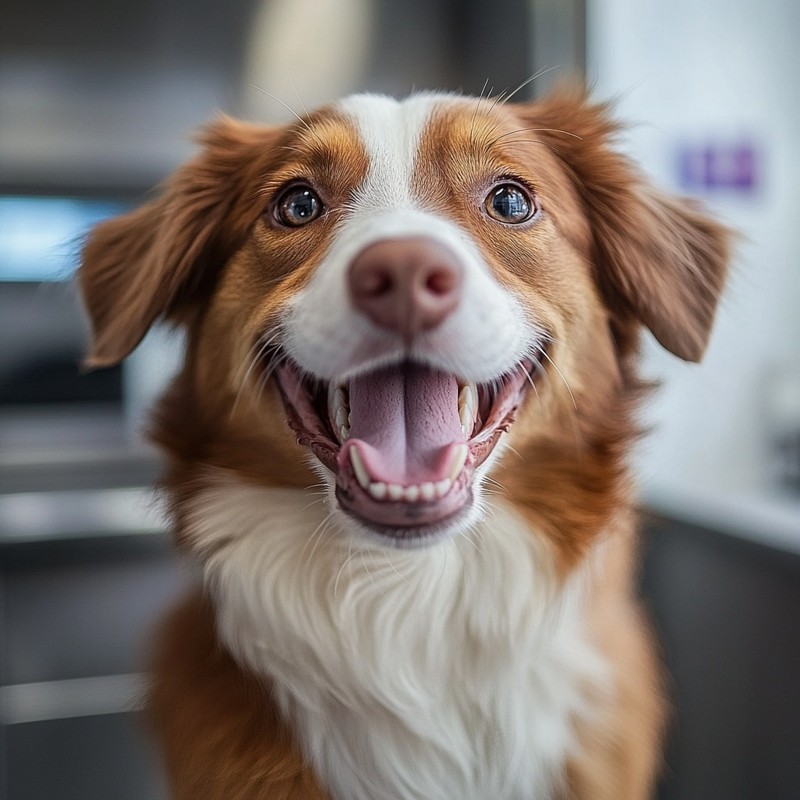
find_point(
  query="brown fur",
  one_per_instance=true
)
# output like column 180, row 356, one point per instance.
column 222, row 736
column 621, row 749
column 610, row 256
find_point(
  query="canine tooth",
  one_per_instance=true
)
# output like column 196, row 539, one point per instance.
column 443, row 487
column 412, row 493
column 343, row 423
column 459, row 459
column 427, row 491
column 378, row 490
column 396, row 491
column 338, row 406
column 466, row 407
column 362, row 476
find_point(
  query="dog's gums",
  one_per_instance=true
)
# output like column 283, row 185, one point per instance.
column 403, row 440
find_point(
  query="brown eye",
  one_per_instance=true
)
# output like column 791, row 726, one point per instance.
column 297, row 206
column 510, row 203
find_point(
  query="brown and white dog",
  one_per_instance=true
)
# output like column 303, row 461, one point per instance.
column 397, row 446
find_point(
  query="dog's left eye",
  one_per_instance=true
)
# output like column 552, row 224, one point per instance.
column 298, row 205
column 510, row 203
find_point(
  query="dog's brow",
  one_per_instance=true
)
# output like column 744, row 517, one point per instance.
column 324, row 138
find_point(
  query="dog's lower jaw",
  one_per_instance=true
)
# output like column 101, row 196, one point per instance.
column 453, row 671
column 465, row 522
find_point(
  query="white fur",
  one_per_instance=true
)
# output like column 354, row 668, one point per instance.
column 454, row 671
column 489, row 333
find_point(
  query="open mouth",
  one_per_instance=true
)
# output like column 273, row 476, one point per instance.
column 403, row 440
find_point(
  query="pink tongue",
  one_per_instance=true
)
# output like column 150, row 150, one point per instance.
column 406, row 416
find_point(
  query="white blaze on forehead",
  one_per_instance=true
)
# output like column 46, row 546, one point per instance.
column 390, row 131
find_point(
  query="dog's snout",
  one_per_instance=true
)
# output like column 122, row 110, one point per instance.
column 406, row 285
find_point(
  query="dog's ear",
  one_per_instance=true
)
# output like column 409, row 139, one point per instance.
column 657, row 258
column 154, row 262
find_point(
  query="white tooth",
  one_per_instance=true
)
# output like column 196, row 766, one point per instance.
column 427, row 491
column 396, row 491
column 344, row 433
column 466, row 407
column 333, row 391
column 459, row 459
column 378, row 490
column 412, row 493
column 362, row 476
column 337, row 407
column 443, row 487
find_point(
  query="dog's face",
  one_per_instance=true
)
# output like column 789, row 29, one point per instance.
column 389, row 287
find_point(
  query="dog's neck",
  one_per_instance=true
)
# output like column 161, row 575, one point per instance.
column 450, row 671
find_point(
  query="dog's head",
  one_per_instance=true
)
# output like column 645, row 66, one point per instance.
column 404, row 282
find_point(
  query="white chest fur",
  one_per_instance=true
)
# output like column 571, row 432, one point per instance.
column 451, row 671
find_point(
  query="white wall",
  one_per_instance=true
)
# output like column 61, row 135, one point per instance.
column 689, row 71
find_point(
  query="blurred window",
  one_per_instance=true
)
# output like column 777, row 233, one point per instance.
column 40, row 237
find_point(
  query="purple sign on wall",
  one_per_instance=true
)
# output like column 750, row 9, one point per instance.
column 719, row 166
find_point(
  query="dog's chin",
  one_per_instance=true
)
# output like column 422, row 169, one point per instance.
column 404, row 442
column 408, row 525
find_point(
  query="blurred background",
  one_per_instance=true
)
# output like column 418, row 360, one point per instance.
column 97, row 101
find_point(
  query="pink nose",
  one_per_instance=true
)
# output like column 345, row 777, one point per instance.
column 406, row 285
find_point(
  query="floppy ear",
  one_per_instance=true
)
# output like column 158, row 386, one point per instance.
column 154, row 261
column 657, row 258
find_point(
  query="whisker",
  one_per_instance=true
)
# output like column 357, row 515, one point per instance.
column 297, row 94
column 444, row 565
column 300, row 119
column 467, row 536
column 477, row 108
column 394, row 568
column 277, row 359
column 534, row 130
column 490, row 505
column 544, row 352
column 320, row 499
column 531, row 381
column 263, row 345
column 349, row 558
column 365, row 566
column 278, row 100
column 242, row 382
column 488, row 479
column 515, row 452
column 530, row 80
column 266, row 375
column 317, row 535
column 574, row 407
column 497, row 101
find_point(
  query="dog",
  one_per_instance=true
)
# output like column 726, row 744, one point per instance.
column 398, row 445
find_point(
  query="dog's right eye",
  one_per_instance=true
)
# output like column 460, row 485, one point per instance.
column 297, row 206
column 510, row 203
